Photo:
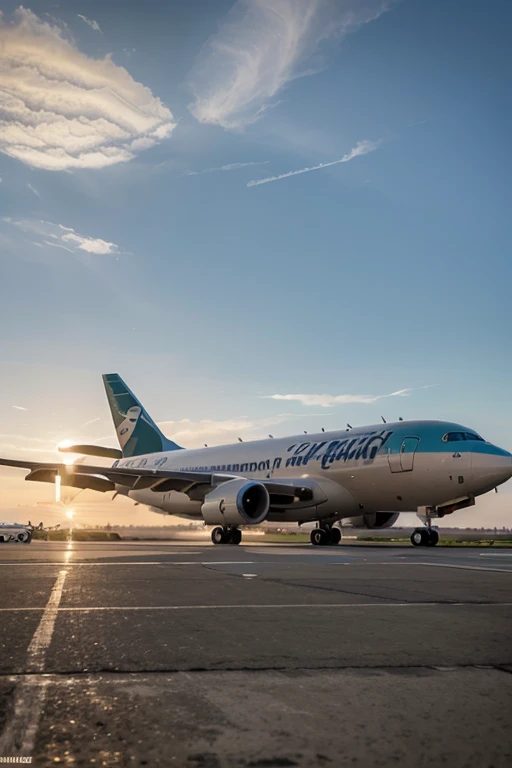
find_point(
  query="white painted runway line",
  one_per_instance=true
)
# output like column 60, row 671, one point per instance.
column 264, row 606
column 495, row 554
column 365, row 563
column 152, row 562
column 42, row 638
column 463, row 567
column 19, row 736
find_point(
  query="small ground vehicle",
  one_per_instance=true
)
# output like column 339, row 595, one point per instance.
column 16, row 532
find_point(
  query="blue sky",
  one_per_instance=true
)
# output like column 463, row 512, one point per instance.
column 123, row 249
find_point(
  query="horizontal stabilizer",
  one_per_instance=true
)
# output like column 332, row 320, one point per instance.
column 93, row 450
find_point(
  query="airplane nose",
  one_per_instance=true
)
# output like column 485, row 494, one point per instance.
column 491, row 469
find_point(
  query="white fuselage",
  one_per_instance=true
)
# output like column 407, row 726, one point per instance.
column 371, row 463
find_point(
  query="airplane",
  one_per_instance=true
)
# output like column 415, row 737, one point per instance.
column 366, row 474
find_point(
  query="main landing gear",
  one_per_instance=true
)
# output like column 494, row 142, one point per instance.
column 424, row 537
column 228, row 535
column 427, row 536
column 320, row 537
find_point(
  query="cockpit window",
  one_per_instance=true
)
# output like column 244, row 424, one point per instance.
column 454, row 437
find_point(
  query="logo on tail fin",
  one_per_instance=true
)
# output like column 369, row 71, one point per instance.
column 127, row 427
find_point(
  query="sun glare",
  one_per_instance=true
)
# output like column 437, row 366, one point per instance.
column 63, row 444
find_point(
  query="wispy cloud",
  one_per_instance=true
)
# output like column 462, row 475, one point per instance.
column 194, row 434
column 14, row 445
column 63, row 109
column 261, row 46
column 230, row 167
column 361, row 148
column 92, row 421
column 64, row 237
column 20, row 408
column 55, row 245
column 34, row 190
column 327, row 401
column 93, row 24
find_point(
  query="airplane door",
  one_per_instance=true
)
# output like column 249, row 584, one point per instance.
column 403, row 460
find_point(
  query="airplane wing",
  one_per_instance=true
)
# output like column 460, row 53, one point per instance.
column 103, row 479
column 194, row 484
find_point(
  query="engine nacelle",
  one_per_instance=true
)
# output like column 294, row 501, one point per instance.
column 375, row 520
column 237, row 502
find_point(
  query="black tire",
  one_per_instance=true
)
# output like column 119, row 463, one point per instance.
column 433, row 538
column 218, row 535
column 24, row 537
column 335, row 536
column 235, row 536
column 419, row 537
column 319, row 537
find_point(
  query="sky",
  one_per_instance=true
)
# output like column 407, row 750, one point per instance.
column 268, row 216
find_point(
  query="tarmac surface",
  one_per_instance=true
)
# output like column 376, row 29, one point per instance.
column 158, row 654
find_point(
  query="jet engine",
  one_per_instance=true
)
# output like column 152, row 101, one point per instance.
column 236, row 502
column 375, row 520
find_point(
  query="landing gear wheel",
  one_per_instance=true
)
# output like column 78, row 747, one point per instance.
column 420, row 537
column 433, row 538
column 319, row 537
column 235, row 536
column 335, row 536
column 218, row 536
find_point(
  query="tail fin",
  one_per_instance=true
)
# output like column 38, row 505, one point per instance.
column 136, row 431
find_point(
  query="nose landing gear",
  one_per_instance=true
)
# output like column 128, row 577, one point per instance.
column 227, row 535
column 324, row 535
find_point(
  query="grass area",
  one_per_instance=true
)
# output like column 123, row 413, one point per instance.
column 76, row 535
column 299, row 538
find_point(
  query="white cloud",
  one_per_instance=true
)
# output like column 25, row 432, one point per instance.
column 229, row 167
column 33, row 189
column 61, row 109
column 327, row 401
column 20, row 408
column 90, row 244
column 64, row 237
column 93, row 24
column 261, row 46
column 361, row 148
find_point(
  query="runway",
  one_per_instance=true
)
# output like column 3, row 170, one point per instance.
column 258, row 655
